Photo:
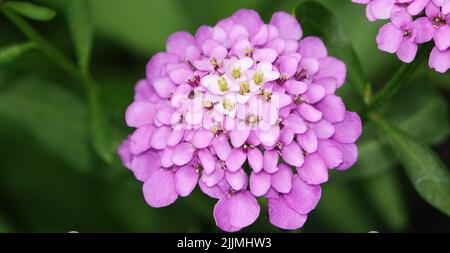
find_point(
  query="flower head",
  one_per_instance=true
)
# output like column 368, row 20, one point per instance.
column 413, row 22
column 244, row 110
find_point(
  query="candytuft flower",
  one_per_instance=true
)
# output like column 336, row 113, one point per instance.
column 413, row 22
column 244, row 110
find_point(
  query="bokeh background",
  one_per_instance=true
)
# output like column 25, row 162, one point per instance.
column 51, row 180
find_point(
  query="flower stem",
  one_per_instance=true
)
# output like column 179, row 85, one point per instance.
column 398, row 81
column 42, row 44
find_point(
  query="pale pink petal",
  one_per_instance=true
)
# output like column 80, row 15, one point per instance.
column 308, row 141
column 185, row 180
column 260, row 183
column 282, row 216
column 292, row 154
column 288, row 26
column 207, row 160
column 235, row 211
column 139, row 114
column 312, row 47
column 239, row 137
column 237, row 180
column 235, row 160
column 182, row 154
column 349, row 130
column 440, row 61
column 202, row 138
column 282, row 179
column 332, row 107
column 271, row 161
column 303, row 197
column 159, row 189
column 159, row 137
column 314, row 171
column 330, row 154
column 332, row 67
column 221, row 147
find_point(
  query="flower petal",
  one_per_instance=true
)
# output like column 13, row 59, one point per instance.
column 159, row 189
column 221, row 147
column 292, row 154
column 282, row 216
column 236, row 211
column 185, row 180
column 332, row 108
column 260, row 183
column 255, row 159
column 288, row 27
column 303, row 197
column 314, row 171
column 239, row 137
column 282, row 179
column 349, row 130
column 330, row 153
column 207, row 160
column 235, row 160
column 440, row 61
column 183, row 154
column 144, row 165
column 237, row 180
column 202, row 138
column 139, row 114
column 271, row 161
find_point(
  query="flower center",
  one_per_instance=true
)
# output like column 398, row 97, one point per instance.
column 258, row 77
column 244, row 88
column 236, row 72
column 223, row 85
column 266, row 95
column 227, row 104
column 439, row 21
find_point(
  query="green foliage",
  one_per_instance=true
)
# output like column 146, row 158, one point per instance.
column 82, row 31
column 30, row 10
column 52, row 115
column 9, row 53
column 426, row 171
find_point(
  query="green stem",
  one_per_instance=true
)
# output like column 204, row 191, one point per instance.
column 398, row 81
column 42, row 44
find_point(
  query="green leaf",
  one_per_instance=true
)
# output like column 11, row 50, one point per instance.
column 9, row 53
column 425, row 117
column 318, row 21
column 30, row 10
column 82, row 31
column 52, row 115
column 398, row 81
column 424, row 168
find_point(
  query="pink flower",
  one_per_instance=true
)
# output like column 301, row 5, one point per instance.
column 413, row 22
column 244, row 110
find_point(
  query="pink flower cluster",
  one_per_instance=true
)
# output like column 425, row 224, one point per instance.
column 242, row 109
column 413, row 22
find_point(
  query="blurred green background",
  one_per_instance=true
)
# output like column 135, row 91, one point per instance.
column 51, row 180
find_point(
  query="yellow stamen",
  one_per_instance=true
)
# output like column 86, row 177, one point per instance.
column 244, row 88
column 223, row 85
column 258, row 77
column 236, row 72
column 228, row 105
